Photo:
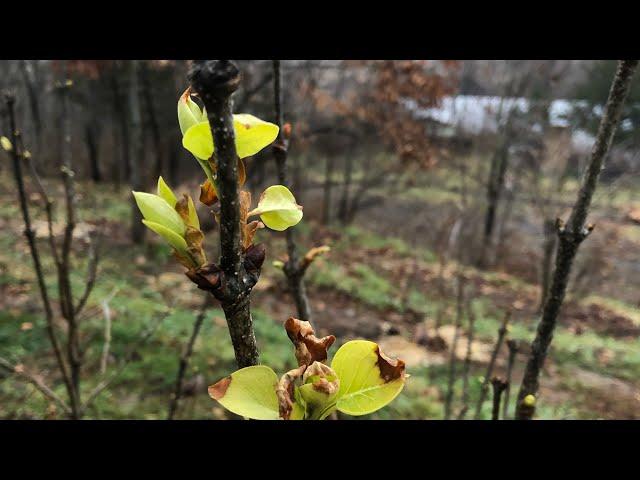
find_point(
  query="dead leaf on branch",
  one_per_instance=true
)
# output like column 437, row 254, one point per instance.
column 285, row 391
column 308, row 347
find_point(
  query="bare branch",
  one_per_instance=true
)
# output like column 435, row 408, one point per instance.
column 572, row 235
column 37, row 381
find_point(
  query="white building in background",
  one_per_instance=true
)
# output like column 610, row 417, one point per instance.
column 475, row 115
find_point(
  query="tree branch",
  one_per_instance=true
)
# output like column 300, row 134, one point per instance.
column 185, row 357
column 215, row 81
column 37, row 381
column 572, row 235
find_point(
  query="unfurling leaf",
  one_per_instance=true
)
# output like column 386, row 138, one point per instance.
column 172, row 238
column 156, row 209
column 368, row 379
column 165, row 192
column 187, row 211
column 278, row 209
column 6, row 144
column 251, row 136
column 189, row 112
column 308, row 347
column 319, row 390
column 249, row 392
column 290, row 406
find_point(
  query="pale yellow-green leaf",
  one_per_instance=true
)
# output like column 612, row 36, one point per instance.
column 249, row 392
column 172, row 238
column 198, row 140
column 362, row 388
column 165, row 192
column 252, row 134
column 156, row 209
column 188, row 113
column 278, row 209
column 6, row 144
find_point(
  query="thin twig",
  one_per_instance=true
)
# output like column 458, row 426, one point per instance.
column 471, row 318
column 513, row 346
column 37, row 381
column 498, row 387
column 92, row 271
column 572, row 235
column 129, row 356
column 17, row 156
column 454, row 347
column 185, row 357
column 502, row 331
column 294, row 269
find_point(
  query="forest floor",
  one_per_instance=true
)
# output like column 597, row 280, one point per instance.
column 372, row 284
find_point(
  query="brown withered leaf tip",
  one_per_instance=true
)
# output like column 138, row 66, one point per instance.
column 390, row 368
column 285, row 391
column 182, row 207
column 242, row 172
column 207, row 193
column 218, row 390
column 308, row 347
column 206, row 277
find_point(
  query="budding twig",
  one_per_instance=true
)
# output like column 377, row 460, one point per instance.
column 294, row 268
column 573, row 233
column 494, row 355
column 215, row 81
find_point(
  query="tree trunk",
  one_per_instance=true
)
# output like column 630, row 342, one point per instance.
column 326, row 202
column 136, row 152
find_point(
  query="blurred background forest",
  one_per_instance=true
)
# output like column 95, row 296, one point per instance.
column 436, row 185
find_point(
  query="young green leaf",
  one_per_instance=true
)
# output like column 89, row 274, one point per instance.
column 6, row 144
column 165, row 192
column 249, row 392
column 368, row 379
column 156, row 209
column 251, row 136
column 175, row 240
column 278, row 209
column 188, row 112
column 198, row 140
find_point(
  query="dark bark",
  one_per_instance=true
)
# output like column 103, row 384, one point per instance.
column 215, row 81
column 326, row 199
column 549, row 248
column 34, row 102
column 495, row 186
column 513, row 346
column 153, row 120
column 16, row 156
column 498, row 386
column 343, row 209
column 136, row 152
column 67, row 307
column 123, row 168
column 92, row 147
column 571, row 235
column 484, row 389
column 294, row 269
